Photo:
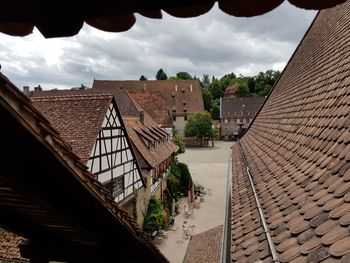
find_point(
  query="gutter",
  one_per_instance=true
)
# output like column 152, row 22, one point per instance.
column 226, row 235
column 262, row 217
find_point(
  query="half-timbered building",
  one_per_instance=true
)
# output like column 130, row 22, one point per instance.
column 93, row 126
column 151, row 146
column 52, row 200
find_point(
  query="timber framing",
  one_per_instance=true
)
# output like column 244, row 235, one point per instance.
column 52, row 200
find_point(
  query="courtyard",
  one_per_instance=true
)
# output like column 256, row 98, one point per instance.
column 208, row 166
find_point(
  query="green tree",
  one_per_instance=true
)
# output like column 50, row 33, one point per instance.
column 242, row 91
column 183, row 75
column 155, row 218
column 205, row 81
column 199, row 124
column 207, row 99
column 143, row 77
column 215, row 89
column 215, row 111
column 161, row 75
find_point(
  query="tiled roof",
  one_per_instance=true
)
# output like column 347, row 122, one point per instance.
column 298, row 152
column 155, row 105
column 233, row 107
column 183, row 96
column 126, row 106
column 119, row 16
column 77, row 118
column 205, row 247
column 230, row 90
column 39, row 205
column 149, row 130
column 9, row 249
column 129, row 109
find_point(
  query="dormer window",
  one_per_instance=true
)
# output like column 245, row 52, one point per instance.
column 175, row 87
column 173, row 94
column 183, row 90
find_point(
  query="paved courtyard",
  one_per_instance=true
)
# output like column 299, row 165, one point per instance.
column 208, row 166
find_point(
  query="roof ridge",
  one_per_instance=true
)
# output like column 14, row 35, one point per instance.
column 73, row 97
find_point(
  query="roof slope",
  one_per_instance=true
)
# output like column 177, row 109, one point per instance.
column 119, row 16
column 130, row 111
column 155, row 105
column 53, row 205
column 298, row 152
column 77, row 118
column 205, row 247
column 137, row 130
column 233, row 107
column 9, row 246
column 183, row 96
column 126, row 105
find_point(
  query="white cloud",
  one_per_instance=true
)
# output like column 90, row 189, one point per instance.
column 214, row 44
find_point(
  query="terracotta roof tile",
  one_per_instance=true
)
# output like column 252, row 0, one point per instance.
column 77, row 118
column 175, row 92
column 160, row 151
column 246, row 107
column 298, row 149
column 9, row 243
column 206, row 247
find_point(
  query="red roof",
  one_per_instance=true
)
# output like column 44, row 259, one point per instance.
column 56, row 19
column 298, row 152
column 230, row 90
column 141, row 133
column 155, row 105
column 244, row 107
column 77, row 118
column 205, row 247
column 183, row 96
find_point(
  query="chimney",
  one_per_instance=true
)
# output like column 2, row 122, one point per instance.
column 38, row 88
column 26, row 90
column 142, row 117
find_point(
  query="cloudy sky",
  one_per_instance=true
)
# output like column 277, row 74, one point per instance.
column 214, row 44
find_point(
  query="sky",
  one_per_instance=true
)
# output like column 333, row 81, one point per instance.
column 214, row 43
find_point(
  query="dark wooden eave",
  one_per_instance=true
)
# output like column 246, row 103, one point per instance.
column 48, row 196
column 65, row 18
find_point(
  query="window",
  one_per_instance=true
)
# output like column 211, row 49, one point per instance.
column 226, row 120
column 116, row 186
column 185, row 117
column 238, row 121
column 174, row 118
column 244, row 120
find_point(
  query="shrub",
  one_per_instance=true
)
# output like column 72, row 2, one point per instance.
column 155, row 218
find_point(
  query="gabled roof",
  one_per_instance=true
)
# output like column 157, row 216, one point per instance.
column 183, row 96
column 130, row 111
column 244, row 107
column 155, row 105
column 48, row 195
column 205, row 247
column 230, row 90
column 77, row 118
column 126, row 105
column 142, row 133
column 298, row 153
column 117, row 16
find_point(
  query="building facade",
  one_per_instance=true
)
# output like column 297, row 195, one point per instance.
column 236, row 114
column 182, row 97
